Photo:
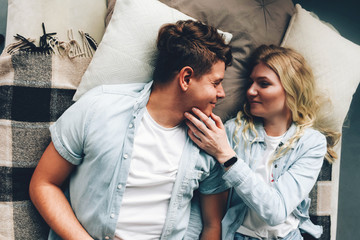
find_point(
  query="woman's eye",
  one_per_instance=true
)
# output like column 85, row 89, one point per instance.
column 264, row 84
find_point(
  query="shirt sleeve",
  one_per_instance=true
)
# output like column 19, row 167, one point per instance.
column 274, row 203
column 214, row 183
column 68, row 133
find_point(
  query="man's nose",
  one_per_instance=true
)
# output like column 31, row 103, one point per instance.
column 221, row 92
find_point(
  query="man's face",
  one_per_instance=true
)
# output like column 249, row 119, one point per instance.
column 205, row 91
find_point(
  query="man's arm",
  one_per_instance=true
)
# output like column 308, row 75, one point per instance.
column 50, row 200
column 213, row 208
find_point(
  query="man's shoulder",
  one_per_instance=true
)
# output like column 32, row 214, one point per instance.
column 107, row 94
column 111, row 98
column 124, row 89
column 132, row 89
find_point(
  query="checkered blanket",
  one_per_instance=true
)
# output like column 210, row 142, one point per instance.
column 35, row 89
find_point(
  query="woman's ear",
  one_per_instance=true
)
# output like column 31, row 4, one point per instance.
column 185, row 76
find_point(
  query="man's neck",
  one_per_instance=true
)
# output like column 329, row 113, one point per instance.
column 164, row 106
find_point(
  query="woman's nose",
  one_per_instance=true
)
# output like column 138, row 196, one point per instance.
column 252, row 90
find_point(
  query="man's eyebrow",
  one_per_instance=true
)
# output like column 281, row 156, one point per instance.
column 218, row 80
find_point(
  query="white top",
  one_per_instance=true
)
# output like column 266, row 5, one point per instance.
column 253, row 225
column 153, row 169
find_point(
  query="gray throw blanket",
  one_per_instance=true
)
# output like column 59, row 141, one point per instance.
column 35, row 89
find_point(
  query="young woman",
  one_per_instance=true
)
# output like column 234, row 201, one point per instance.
column 272, row 152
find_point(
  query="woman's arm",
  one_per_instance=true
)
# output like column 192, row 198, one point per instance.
column 213, row 208
column 273, row 203
column 276, row 202
column 49, row 199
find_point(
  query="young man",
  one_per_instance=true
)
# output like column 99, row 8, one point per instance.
column 133, row 169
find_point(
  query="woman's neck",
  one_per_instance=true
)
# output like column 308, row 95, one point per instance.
column 277, row 127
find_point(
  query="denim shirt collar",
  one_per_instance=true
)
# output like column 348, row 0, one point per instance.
column 144, row 97
column 261, row 133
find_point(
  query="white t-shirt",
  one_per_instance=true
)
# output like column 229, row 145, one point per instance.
column 254, row 225
column 154, row 165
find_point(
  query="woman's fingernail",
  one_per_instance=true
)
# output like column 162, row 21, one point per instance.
column 186, row 114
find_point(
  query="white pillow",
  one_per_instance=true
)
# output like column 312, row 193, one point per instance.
column 127, row 50
column 25, row 18
column 335, row 61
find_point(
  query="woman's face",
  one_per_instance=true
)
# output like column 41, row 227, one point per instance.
column 266, row 95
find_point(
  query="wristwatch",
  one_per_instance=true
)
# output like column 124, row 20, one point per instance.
column 230, row 162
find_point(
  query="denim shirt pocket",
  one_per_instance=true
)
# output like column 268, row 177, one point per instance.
column 276, row 169
column 190, row 183
column 282, row 164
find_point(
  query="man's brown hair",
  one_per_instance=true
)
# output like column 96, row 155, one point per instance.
column 189, row 43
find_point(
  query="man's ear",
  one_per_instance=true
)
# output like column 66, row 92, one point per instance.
column 185, row 76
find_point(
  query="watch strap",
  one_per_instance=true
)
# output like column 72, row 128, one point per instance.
column 230, row 162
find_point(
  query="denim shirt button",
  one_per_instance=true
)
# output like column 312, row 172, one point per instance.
column 131, row 125
column 112, row 215
column 119, row 186
column 126, row 156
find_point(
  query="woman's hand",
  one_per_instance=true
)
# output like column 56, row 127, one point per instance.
column 208, row 135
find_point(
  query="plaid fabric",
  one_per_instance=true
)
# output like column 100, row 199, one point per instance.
column 320, row 209
column 35, row 89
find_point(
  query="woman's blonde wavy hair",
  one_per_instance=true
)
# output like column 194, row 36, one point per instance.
column 302, row 97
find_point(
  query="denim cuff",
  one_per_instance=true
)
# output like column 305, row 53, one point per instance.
column 237, row 173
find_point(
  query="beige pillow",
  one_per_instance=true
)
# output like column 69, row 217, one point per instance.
column 335, row 60
column 128, row 48
column 26, row 16
column 336, row 65
column 252, row 23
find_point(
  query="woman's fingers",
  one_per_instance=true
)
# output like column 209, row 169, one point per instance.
column 217, row 120
column 209, row 134
column 194, row 138
column 194, row 129
column 205, row 119
column 197, row 123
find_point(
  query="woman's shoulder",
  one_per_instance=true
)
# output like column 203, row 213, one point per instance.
column 312, row 138
column 312, row 133
column 235, row 120
column 230, row 122
column 233, row 123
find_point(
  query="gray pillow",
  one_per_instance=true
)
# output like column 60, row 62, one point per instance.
column 252, row 23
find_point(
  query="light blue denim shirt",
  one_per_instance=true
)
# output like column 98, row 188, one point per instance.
column 294, row 174
column 97, row 134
